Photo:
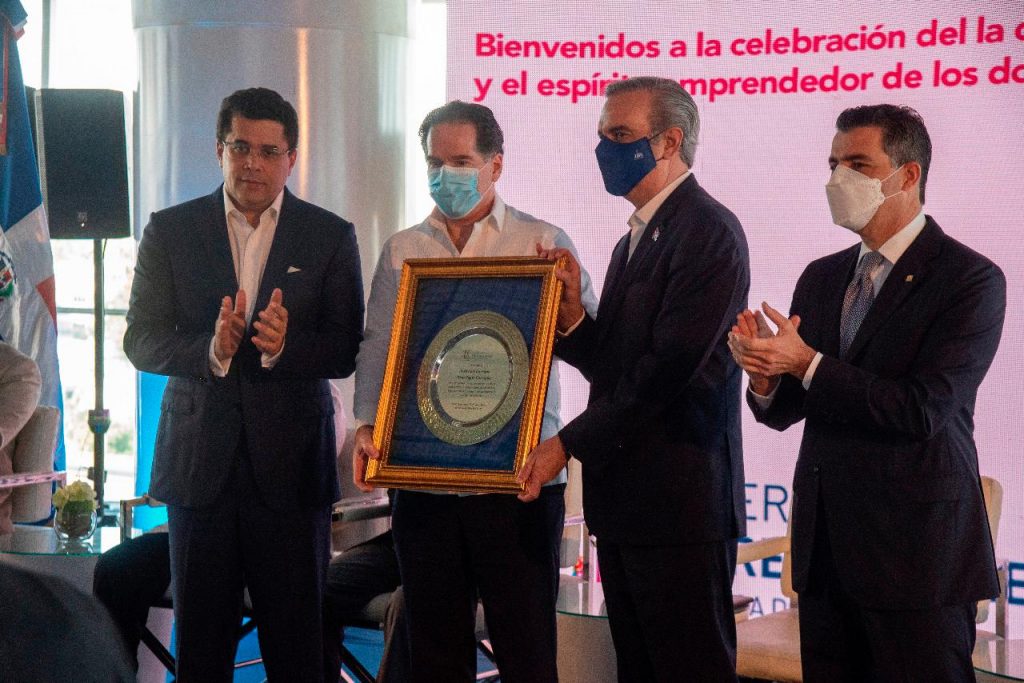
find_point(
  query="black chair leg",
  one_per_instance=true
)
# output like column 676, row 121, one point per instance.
column 361, row 673
column 167, row 659
column 158, row 649
column 485, row 649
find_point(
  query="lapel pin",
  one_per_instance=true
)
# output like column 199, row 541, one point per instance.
column 656, row 234
column 909, row 278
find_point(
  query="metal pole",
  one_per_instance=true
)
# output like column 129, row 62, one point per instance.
column 99, row 419
column 45, row 62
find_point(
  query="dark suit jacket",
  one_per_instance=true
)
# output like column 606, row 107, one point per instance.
column 285, row 414
column 660, row 438
column 888, row 443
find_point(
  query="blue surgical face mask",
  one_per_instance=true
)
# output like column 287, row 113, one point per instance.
column 624, row 164
column 454, row 190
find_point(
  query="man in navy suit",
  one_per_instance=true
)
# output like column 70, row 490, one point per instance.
column 660, row 439
column 248, row 299
column 882, row 358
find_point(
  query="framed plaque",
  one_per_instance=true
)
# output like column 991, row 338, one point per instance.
column 467, row 373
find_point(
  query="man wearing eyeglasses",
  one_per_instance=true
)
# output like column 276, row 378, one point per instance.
column 248, row 299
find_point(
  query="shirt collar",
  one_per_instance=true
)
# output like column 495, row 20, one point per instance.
column 496, row 217
column 642, row 216
column 274, row 208
column 896, row 245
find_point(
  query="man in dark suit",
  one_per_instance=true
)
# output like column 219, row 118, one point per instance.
column 248, row 299
column 660, row 439
column 882, row 357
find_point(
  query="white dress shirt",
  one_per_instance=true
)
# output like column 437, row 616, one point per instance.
column 642, row 216
column 505, row 231
column 250, row 248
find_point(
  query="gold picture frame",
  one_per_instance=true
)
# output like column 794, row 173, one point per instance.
column 467, row 372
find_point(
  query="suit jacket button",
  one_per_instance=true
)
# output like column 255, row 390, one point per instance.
column 817, row 468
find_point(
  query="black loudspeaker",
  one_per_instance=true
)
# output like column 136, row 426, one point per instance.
column 83, row 165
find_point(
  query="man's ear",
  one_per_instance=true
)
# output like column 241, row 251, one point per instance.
column 673, row 138
column 912, row 169
column 497, row 160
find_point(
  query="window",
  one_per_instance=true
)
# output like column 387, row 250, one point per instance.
column 92, row 45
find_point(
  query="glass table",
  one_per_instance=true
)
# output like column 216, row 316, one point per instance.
column 585, row 650
column 581, row 597
column 36, row 548
column 999, row 660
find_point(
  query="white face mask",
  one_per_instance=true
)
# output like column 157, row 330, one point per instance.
column 854, row 198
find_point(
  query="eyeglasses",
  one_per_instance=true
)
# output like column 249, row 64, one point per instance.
column 241, row 150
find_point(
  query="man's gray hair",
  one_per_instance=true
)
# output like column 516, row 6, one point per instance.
column 671, row 107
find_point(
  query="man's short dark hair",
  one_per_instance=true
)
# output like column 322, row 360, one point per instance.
column 489, row 138
column 904, row 136
column 259, row 104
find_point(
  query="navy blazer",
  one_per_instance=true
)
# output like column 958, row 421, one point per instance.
column 888, row 442
column 660, row 439
column 285, row 414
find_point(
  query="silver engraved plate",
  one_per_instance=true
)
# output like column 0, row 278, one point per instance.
column 473, row 378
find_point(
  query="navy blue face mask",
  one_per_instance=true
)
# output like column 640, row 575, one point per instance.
column 624, row 164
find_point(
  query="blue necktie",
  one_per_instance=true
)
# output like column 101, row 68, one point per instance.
column 857, row 302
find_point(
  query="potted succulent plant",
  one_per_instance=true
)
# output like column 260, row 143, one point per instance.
column 75, row 519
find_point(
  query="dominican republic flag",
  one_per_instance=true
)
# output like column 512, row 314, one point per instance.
column 28, row 311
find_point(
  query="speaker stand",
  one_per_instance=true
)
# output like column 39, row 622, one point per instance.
column 99, row 418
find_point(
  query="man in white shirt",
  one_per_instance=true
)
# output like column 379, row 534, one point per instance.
column 452, row 549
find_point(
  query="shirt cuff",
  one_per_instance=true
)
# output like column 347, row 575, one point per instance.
column 763, row 401
column 574, row 326
column 216, row 367
column 268, row 362
column 809, row 375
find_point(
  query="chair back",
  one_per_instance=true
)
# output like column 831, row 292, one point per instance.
column 786, row 580
column 33, row 452
column 992, row 491
column 773, row 546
